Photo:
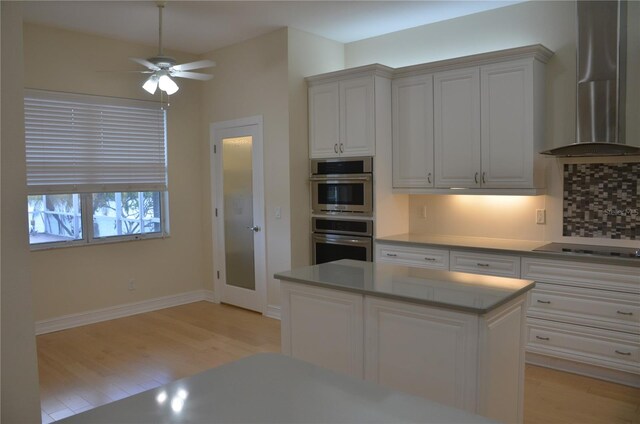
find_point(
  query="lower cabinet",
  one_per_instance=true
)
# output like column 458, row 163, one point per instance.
column 324, row 327
column 469, row 361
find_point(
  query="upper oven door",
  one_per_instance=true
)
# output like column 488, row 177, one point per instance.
column 342, row 194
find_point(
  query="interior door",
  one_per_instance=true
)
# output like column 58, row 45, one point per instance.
column 238, row 214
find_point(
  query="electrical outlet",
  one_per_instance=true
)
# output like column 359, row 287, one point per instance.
column 541, row 216
column 278, row 212
column 132, row 284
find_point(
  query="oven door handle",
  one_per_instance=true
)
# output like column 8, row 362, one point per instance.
column 341, row 240
column 340, row 178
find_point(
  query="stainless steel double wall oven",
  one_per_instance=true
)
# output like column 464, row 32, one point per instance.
column 342, row 205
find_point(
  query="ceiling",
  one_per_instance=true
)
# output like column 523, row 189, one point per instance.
column 202, row 26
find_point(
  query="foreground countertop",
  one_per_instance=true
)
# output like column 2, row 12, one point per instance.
column 472, row 293
column 272, row 388
column 501, row 246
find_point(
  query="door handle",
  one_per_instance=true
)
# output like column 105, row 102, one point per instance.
column 341, row 148
column 335, row 147
column 255, row 228
column 429, row 177
column 483, row 178
column 475, row 178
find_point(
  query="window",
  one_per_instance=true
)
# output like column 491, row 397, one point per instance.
column 96, row 169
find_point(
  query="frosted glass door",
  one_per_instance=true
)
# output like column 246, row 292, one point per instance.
column 238, row 212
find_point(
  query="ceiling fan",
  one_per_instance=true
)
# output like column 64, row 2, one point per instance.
column 163, row 68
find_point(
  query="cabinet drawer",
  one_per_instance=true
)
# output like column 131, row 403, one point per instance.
column 483, row 263
column 595, row 308
column 413, row 256
column 598, row 348
column 583, row 274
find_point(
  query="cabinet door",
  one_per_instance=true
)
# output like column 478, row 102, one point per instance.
column 324, row 327
column 457, row 128
column 412, row 111
column 507, row 124
column 357, row 125
column 324, row 114
column 424, row 351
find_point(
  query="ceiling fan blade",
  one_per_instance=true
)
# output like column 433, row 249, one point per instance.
column 191, row 75
column 194, row 65
column 145, row 63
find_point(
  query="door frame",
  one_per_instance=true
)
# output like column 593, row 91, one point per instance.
column 259, row 218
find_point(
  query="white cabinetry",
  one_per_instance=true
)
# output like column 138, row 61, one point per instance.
column 462, row 359
column 324, row 122
column 342, row 111
column 581, row 317
column 487, row 123
column 485, row 263
column 585, row 317
column 511, row 131
column 412, row 113
column 413, row 256
column 435, row 345
column 457, row 128
column 324, row 327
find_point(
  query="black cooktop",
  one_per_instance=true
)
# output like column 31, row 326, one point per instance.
column 583, row 249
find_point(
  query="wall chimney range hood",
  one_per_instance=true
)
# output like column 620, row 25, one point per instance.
column 601, row 78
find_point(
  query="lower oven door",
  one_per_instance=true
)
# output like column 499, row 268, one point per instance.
column 332, row 247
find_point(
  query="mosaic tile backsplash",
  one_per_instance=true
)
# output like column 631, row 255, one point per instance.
column 602, row 200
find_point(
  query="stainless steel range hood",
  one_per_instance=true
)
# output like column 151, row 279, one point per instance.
column 601, row 76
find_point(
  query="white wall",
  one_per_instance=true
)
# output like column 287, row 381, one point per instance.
column 78, row 279
column 251, row 79
column 549, row 23
column 308, row 55
column 20, row 394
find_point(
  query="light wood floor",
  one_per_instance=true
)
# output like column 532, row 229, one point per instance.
column 88, row 366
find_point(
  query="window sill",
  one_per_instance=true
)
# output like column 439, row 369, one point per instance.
column 97, row 242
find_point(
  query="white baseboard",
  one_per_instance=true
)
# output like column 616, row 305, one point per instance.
column 272, row 311
column 75, row 320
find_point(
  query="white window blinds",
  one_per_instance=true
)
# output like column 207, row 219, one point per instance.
column 86, row 144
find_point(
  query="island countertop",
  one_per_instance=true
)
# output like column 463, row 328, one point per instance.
column 478, row 294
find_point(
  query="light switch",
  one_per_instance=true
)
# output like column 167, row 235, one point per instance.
column 278, row 212
column 541, row 216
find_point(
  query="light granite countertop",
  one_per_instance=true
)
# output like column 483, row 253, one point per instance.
column 478, row 294
column 505, row 247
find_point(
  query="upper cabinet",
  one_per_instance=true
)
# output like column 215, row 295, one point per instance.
column 511, row 123
column 479, row 132
column 412, row 114
column 457, row 128
column 324, row 120
column 342, row 111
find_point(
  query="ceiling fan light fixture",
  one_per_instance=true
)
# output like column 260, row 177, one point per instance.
column 167, row 85
column 151, row 84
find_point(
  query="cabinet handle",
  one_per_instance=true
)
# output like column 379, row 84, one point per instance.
column 482, row 265
column 475, row 178
column 483, row 179
column 544, row 301
column 393, row 255
column 335, row 147
column 429, row 177
column 623, row 353
column 430, row 259
column 341, row 148
column 544, row 338
column 624, row 313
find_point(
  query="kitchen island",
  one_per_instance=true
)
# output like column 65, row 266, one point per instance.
column 452, row 337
